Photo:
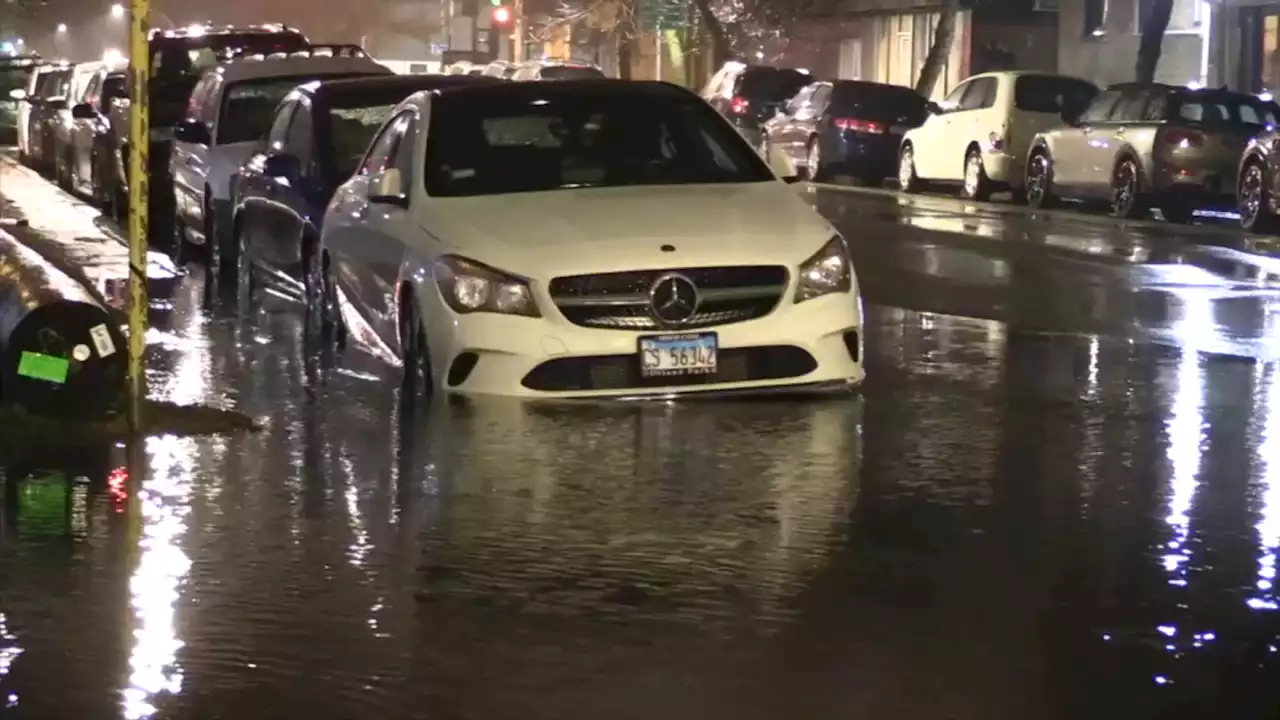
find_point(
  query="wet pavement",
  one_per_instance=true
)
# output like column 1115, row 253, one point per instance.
column 1058, row 497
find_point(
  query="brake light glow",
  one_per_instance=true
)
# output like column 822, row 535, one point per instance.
column 856, row 125
column 738, row 105
column 1184, row 139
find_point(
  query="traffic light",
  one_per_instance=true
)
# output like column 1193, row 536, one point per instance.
column 501, row 15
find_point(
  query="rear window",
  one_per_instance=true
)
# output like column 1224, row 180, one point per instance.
column 173, row 57
column 570, row 72
column 351, row 131
column 771, row 83
column 248, row 108
column 1223, row 110
column 1053, row 95
column 874, row 100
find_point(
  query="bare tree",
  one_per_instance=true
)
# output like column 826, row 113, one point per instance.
column 939, row 49
column 1154, row 24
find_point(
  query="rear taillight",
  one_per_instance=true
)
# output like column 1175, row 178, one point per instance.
column 996, row 141
column 1184, row 139
column 856, row 125
column 738, row 105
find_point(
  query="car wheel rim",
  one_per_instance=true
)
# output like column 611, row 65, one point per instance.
column 1124, row 190
column 813, row 160
column 971, row 170
column 1037, row 179
column 1251, row 195
column 906, row 171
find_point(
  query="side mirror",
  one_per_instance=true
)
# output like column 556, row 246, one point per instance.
column 782, row 165
column 192, row 131
column 933, row 108
column 387, row 188
column 283, row 166
column 82, row 112
column 17, row 94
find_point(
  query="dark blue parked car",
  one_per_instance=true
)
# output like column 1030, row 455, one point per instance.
column 846, row 127
column 319, row 135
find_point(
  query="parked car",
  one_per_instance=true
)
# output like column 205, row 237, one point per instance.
column 230, row 113
column 16, row 74
column 556, row 70
column 91, row 161
column 1173, row 148
column 846, row 128
column 81, row 75
column 25, row 98
column 500, row 69
column 318, row 137
column 50, row 99
column 178, row 59
column 978, row 136
column 750, row 95
column 584, row 238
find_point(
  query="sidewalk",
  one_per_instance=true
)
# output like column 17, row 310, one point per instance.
column 72, row 234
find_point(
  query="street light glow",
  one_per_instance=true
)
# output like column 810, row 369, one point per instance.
column 62, row 28
column 117, row 11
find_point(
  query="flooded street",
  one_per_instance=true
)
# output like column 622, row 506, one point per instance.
column 1057, row 497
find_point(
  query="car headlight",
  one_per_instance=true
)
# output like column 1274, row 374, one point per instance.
column 828, row 271
column 469, row 287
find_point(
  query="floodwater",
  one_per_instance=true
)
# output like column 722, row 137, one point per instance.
column 1058, row 497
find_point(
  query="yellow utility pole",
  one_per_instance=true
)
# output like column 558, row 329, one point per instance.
column 517, row 31
column 139, row 147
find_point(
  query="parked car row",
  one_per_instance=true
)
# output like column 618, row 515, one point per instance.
column 540, row 69
column 1045, row 138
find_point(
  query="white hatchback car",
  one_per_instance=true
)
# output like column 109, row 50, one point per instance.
column 230, row 112
column 583, row 238
column 979, row 134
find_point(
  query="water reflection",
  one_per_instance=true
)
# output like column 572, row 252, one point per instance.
column 1268, row 526
column 1186, row 438
column 9, row 651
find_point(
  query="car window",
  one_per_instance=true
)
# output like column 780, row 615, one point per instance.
column 569, row 72
column 981, row 94
column 280, row 126
column 771, row 84
column 114, row 86
column 249, row 106
column 1100, row 109
column 952, row 100
column 91, row 91
column 892, row 104
column 495, row 144
column 1053, row 95
column 1132, row 106
column 1222, row 109
column 297, row 139
column 800, row 99
column 821, row 97
column 351, row 130
column 384, row 147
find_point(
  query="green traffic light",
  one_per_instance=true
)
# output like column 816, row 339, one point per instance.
column 495, row 3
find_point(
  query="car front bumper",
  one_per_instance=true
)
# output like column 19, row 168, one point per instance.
column 813, row 347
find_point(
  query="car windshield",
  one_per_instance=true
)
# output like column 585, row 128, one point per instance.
column 1223, row 109
column 1053, row 95
column 351, row 131
column 772, row 83
column 248, row 107
column 13, row 78
column 191, row 56
column 493, row 143
column 569, row 72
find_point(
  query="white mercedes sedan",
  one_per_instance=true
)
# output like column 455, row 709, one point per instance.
column 579, row 239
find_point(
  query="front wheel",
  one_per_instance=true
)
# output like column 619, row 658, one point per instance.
column 1126, row 187
column 1254, row 201
column 419, row 380
column 908, row 181
column 977, row 186
column 813, row 162
column 324, row 318
column 1039, row 183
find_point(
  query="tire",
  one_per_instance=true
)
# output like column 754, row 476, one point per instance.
column 1253, row 199
column 908, row 180
column 419, row 379
column 1038, row 187
column 977, row 186
column 1126, row 191
column 324, row 319
column 813, row 161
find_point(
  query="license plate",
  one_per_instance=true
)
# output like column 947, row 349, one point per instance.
column 675, row 355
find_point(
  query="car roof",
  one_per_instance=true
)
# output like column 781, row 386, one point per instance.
column 253, row 67
column 398, row 87
column 206, row 29
column 564, row 88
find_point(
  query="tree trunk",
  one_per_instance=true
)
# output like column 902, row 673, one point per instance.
column 940, row 50
column 626, row 41
column 1153, row 27
column 721, row 51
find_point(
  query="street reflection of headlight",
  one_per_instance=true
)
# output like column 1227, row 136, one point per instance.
column 828, row 271
column 470, row 287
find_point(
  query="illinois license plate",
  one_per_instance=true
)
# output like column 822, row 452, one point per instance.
column 674, row 355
